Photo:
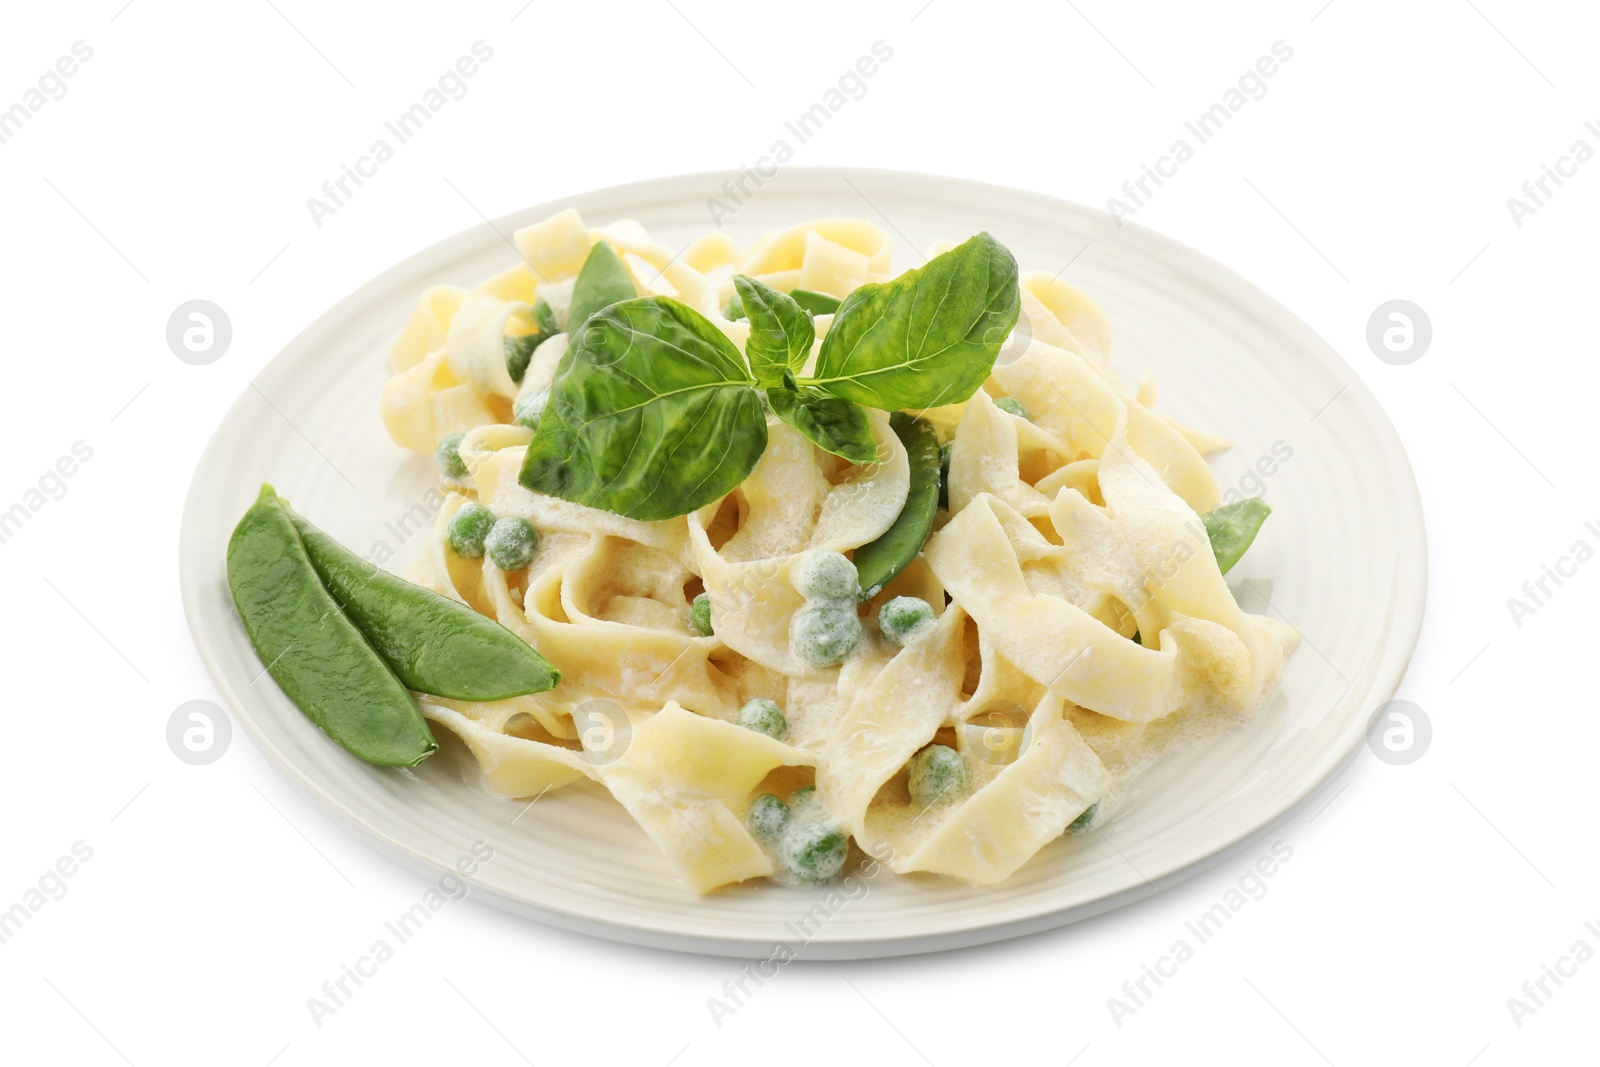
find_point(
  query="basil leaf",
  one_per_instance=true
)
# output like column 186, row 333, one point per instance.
column 926, row 338
column 831, row 423
column 877, row 562
column 651, row 415
column 780, row 331
column 1232, row 528
column 734, row 312
column 815, row 302
column 602, row 282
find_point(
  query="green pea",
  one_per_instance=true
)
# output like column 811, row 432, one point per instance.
column 1138, row 638
column 815, row 302
column 824, row 633
column 803, row 799
column 468, row 528
column 880, row 560
column 938, row 775
column 1082, row 821
column 1232, row 528
column 764, row 717
column 435, row 644
column 700, row 616
column 544, row 318
column 312, row 649
column 815, row 852
column 767, row 817
column 1012, row 406
column 734, row 312
column 902, row 617
column 824, row 575
column 511, row 543
column 519, row 353
column 527, row 409
column 448, row 456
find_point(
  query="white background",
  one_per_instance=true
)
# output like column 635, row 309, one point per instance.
column 1377, row 166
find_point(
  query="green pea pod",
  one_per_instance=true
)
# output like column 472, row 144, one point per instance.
column 815, row 302
column 1232, row 528
column 312, row 650
column 434, row 644
column 879, row 561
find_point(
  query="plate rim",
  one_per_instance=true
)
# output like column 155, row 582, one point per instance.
column 1404, row 625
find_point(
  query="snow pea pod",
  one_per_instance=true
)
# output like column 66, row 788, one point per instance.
column 434, row 644
column 1233, row 527
column 312, row 650
column 879, row 561
column 815, row 302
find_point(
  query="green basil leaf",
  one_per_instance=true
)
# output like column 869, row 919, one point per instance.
column 651, row 415
column 926, row 338
column 780, row 331
column 815, row 302
column 1233, row 527
column 602, row 282
column 831, row 423
column 877, row 562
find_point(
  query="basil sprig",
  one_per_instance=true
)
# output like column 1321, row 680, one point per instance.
column 926, row 338
column 653, row 413
column 781, row 331
column 832, row 423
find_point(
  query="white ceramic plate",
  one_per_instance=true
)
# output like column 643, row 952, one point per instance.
column 1343, row 558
